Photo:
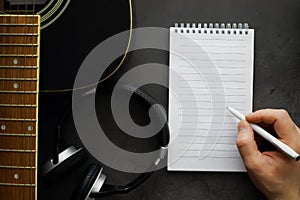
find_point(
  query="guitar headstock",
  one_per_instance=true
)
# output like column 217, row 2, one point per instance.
column 49, row 10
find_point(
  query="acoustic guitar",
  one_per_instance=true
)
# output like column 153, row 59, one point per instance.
column 20, row 25
column 57, row 35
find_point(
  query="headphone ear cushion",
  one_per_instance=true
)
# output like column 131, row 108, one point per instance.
column 88, row 182
column 65, row 167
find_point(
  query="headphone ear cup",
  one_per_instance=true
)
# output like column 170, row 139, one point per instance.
column 90, row 178
column 53, row 172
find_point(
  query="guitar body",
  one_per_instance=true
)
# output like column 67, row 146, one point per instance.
column 66, row 37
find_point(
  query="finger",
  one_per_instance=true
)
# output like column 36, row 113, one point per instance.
column 246, row 144
column 283, row 124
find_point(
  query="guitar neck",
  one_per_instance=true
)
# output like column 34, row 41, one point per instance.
column 19, row 81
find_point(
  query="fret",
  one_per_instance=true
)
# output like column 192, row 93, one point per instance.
column 17, row 158
column 18, row 79
column 18, row 67
column 19, row 40
column 18, row 29
column 15, row 184
column 18, row 112
column 19, row 19
column 17, row 167
column 18, row 98
column 17, row 192
column 18, row 92
column 17, row 135
column 18, row 34
column 17, row 143
column 17, row 105
column 18, row 85
column 17, row 150
column 18, row 61
column 19, row 44
column 16, row 24
column 18, row 55
column 17, row 176
column 18, row 49
column 18, row 73
column 18, row 119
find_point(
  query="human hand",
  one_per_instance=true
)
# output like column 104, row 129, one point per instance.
column 275, row 174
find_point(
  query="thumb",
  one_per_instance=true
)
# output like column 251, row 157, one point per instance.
column 246, row 143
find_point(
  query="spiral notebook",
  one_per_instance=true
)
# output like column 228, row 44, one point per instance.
column 211, row 67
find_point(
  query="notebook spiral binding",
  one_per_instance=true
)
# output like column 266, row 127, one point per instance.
column 212, row 28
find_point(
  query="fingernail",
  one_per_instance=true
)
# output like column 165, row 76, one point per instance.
column 242, row 125
column 248, row 115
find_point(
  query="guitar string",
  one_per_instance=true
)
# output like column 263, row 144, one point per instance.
column 3, row 124
column 26, row 40
column 7, row 21
column 19, row 70
column 27, row 109
column 16, row 62
column 31, row 117
column 19, row 74
column 16, row 86
column 113, row 72
column 25, row 115
column 25, row 94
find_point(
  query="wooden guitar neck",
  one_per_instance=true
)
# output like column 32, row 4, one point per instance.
column 19, row 86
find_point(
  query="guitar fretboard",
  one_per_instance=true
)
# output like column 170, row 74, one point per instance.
column 19, row 81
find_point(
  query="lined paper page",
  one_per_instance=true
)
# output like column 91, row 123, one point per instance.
column 209, row 69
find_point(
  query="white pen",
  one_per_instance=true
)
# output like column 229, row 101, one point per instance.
column 273, row 140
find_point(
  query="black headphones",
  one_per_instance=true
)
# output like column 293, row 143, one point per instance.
column 93, row 183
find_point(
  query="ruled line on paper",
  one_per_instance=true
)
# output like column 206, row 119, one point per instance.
column 216, row 115
column 209, row 143
column 209, row 109
column 211, row 81
column 215, row 74
column 213, row 66
column 206, row 129
column 216, row 53
column 197, row 150
column 212, row 39
column 228, row 95
column 210, row 156
column 212, row 60
column 203, row 101
column 210, row 87
column 222, row 134
column 214, row 46
column 200, row 122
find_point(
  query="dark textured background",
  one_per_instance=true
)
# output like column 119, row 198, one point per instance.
column 86, row 23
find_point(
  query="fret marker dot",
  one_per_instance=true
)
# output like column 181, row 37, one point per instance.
column 3, row 127
column 30, row 128
column 16, row 85
column 16, row 176
column 16, row 61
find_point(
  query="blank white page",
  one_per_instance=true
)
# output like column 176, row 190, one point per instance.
column 210, row 68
